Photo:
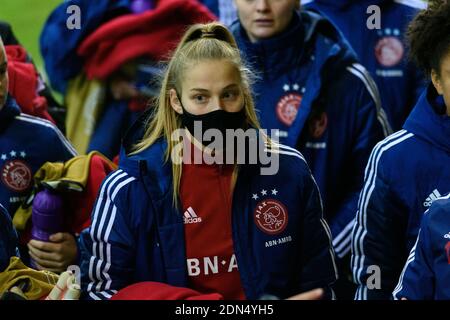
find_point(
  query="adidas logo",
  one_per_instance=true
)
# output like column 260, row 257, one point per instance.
column 433, row 196
column 191, row 217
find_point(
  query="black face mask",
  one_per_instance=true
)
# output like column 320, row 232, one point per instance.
column 219, row 119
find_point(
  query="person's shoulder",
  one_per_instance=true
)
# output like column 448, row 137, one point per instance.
column 36, row 123
column 394, row 150
column 290, row 161
column 118, row 186
column 440, row 210
column 40, row 129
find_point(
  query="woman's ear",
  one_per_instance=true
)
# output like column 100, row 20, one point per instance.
column 437, row 82
column 175, row 102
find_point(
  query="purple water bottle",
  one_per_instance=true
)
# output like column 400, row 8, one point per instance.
column 139, row 6
column 47, row 215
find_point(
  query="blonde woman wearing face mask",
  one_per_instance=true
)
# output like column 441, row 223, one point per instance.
column 214, row 228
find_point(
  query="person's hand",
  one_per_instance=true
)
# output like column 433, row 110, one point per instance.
column 315, row 294
column 56, row 255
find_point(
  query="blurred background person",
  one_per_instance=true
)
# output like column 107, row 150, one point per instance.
column 323, row 102
column 409, row 169
column 381, row 49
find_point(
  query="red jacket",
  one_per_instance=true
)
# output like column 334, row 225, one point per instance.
column 23, row 83
column 153, row 34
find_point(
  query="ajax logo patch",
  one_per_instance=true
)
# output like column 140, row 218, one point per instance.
column 287, row 108
column 16, row 175
column 389, row 51
column 271, row 216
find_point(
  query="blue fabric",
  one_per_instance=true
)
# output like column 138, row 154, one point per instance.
column 111, row 127
column 8, row 239
column 401, row 84
column 405, row 174
column 26, row 143
column 426, row 275
column 312, row 60
column 146, row 231
column 59, row 44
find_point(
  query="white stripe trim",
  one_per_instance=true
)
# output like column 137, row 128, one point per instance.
column 330, row 250
column 286, row 153
column 367, row 174
column 108, row 232
column 105, row 295
column 343, row 246
column 413, row 3
column 94, row 296
column 357, row 229
column 95, row 231
column 343, row 233
column 367, row 193
column 94, row 223
column 306, row 1
column 411, row 258
column 296, row 153
column 359, row 71
column 48, row 124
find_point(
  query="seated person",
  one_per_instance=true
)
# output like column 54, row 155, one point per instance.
column 26, row 143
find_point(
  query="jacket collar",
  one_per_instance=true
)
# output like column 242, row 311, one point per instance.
column 429, row 121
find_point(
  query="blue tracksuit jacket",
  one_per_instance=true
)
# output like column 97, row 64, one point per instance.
column 138, row 235
column 426, row 274
column 381, row 51
column 405, row 174
column 26, row 143
column 306, row 70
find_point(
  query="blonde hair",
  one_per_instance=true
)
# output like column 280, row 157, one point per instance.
column 210, row 41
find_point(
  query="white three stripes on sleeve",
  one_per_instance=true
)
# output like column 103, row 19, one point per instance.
column 360, row 229
column 359, row 71
column 104, row 215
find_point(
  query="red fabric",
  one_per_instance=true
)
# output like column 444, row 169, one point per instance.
column 152, row 34
column 83, row 202
column 138, row 105
column 23, row 83
column 206, row 194
column 161, row 291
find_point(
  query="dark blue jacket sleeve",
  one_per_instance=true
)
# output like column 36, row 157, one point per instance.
column 417, row 279
column 107, row 247
column 318, row 261
column 370, row 126
column 377, row 238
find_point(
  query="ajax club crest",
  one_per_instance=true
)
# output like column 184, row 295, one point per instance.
column 287, row 108
column 271, row 216
column 389, row 51
column 16, row 175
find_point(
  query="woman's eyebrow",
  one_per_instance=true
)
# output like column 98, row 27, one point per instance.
column 199, row 89
column 230, row 86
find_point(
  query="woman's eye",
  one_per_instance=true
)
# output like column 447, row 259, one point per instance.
column 199, row 98
column 230, row 95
